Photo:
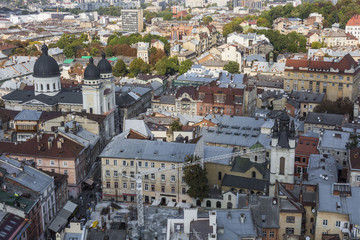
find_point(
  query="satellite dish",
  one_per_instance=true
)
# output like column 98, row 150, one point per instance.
column 313, row 210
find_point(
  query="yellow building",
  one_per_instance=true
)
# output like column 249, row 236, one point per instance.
column 123, row 158
column 337, row 79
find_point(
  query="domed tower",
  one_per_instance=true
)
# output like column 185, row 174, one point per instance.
column 93, row 90
column 46, row 74
column 108, row 80
column 282, row 161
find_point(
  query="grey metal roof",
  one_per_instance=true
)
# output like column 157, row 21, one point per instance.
column 307, row 97
column 349, row 205
column 324, row 119
column 322, row 169
column 62, row 217
column 264, row 212
column 28, row 115
column 243, row 182
column 24, row 96
column 332, row 139
column 233, row 228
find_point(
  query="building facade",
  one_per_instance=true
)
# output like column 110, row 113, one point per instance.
column 132, row 20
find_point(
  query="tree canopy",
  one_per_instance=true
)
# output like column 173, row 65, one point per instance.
column 232, row 67
column 120, row 68
column 340, row 106
column 195, row 178
column 185, row 66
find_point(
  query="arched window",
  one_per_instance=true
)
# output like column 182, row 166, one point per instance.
column 253, row 174
column 229, row 197
column 219, row 175
column 198, row 203
column 54, row 87
column 256, row 158
column 218, row 204
column 208, row 203
column 47, row 86
column 41, row 87
column 282, row 166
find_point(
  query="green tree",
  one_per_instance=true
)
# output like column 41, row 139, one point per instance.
column 185, row 66
column 138, row 66
column 69, row 51
column 120, row 68
column 94, row 51
column 195, row 178
column 206, row 20
column 175, row 126
column 168, row 16
column 108, row 51
column 232, row 67
column 340, row 106
column 353, row 141
column 167, row 66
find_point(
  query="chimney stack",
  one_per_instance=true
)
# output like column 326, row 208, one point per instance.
column 242, row 218
column 50, row 143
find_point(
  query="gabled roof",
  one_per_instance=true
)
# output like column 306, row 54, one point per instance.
column 28, row 115
column 354, row 21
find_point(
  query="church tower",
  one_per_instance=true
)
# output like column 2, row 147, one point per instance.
column 93, row 90
column 282, row 160
column 46, row 74
column 107, row 79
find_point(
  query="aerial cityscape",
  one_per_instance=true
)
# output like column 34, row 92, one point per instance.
column 179, row 119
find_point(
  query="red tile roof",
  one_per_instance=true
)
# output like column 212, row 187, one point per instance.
column 307, row 146
column 344, row 64
column 354, row 21
column 33, row 148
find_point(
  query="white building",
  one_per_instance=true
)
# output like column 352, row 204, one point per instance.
column 353, row 26
column 231, row 53
column 246, row 40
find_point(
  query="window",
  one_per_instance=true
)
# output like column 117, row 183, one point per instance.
column 52, row 162
column 116, row 185
column 172, row 189
column 132, row 163
column 140, row 163
column 132, row 185
column 153, row 188
column 107, row 161
column 132, row 174
column 39, row 162
column 146, row 187
column 272, row 234
column 229, row 197
column 256, row 158
column 304, row 160
column 65, row 172
column 153, row 176
column 325, row 222
column 124, row 163
column 183, row 190
column 115, row 173
column 219, row 176
column 290, row 219
column 146, row 164
column 124, row 173
column 107, row 173
column 264, row 233
column 52, row 170
column 282, row 166
column 152, row 164
column 125, row 185
column 65, row 163
column 115, row 162
column 162, row 177
column 108, row 184
column 162, row 188
column 162, row 165
column 289, row 230
column 337, row 223
column 173, row 178
column 358, row 178
column 253, row 174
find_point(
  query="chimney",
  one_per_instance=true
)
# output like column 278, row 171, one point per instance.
column 49, row 143
column 74, row 127
column 242, row 218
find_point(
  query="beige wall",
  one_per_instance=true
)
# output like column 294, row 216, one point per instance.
column 283, row 224
column 330, row 228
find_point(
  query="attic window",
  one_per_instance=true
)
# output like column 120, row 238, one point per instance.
column 156, row 152
column 337, row 135
column 122, row 150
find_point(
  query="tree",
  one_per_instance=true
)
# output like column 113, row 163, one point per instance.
column 195, row 178
column 340, row 106
column 139, row 66
column 69, row 51
column 232, row 67
column 155, row 55
column 185, row 66
column 353, row 141
column 167, row 66
column 120, row 68
column 108, row 51
column 175, row 126
column 207, row 20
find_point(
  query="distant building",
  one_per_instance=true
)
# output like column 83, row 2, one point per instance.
column 132, row 20
column 353, row 26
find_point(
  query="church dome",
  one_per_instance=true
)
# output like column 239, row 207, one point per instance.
column 91, row 71
column 46, row 66
column 104, row 66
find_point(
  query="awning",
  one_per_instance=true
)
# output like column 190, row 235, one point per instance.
column 62, row 217
column 86, row 57
column 68, row 61
column 89, row 181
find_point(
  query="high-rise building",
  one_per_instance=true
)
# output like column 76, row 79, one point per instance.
column 132, row 20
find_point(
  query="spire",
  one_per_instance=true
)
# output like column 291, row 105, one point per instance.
column 103, row 55
column 44, row 49
column 91, row 60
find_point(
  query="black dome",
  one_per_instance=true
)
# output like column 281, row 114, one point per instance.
column 46, row 66
column 104, row 66
column 91, row 71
